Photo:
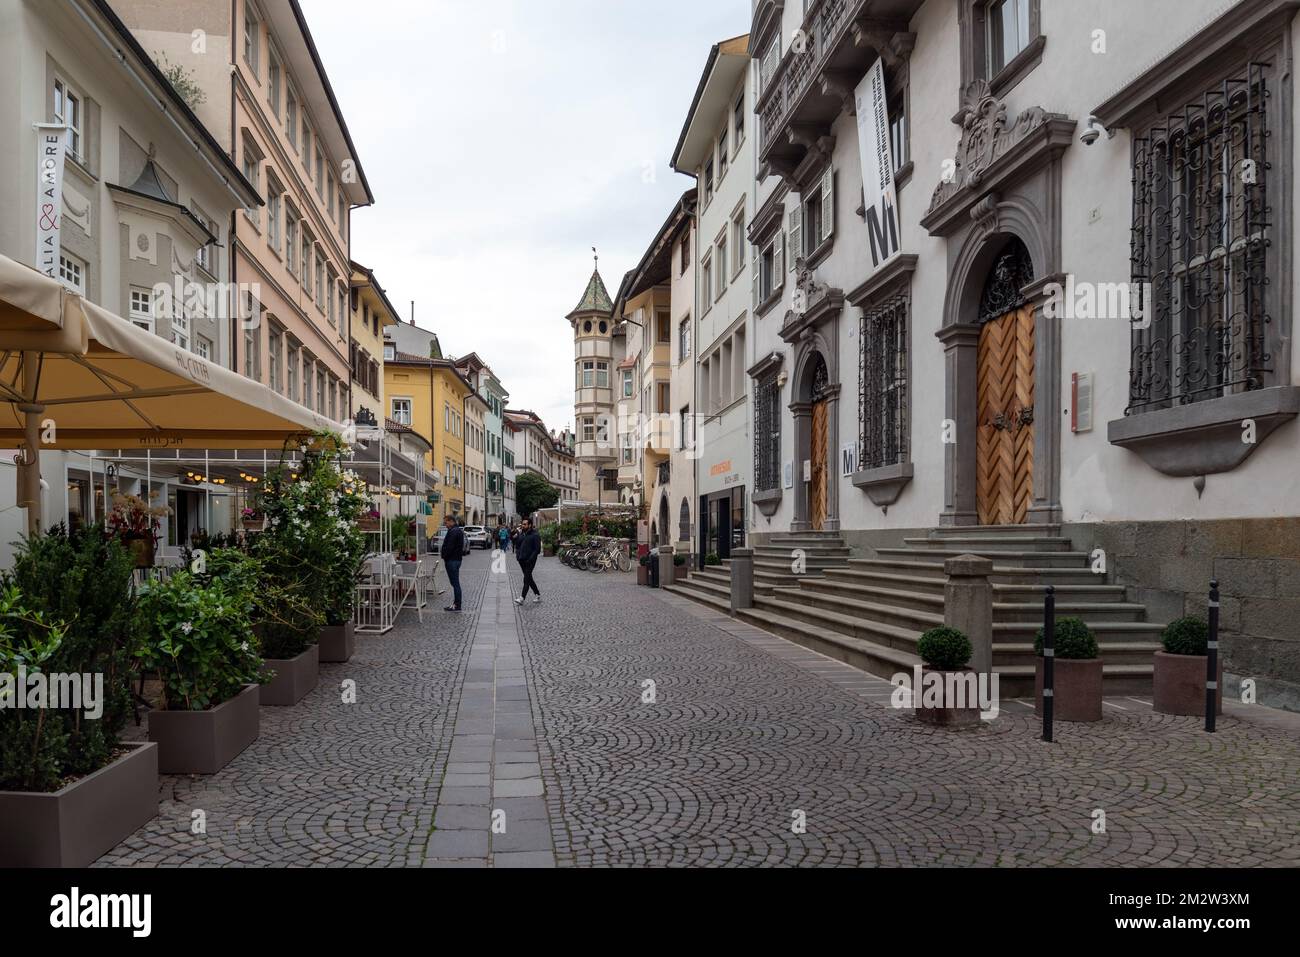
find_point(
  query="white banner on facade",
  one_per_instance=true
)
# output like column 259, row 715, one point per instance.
column 50, row 140
column 880, row 198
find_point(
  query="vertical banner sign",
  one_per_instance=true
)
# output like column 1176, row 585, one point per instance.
column 49, row 195
column 880, row 198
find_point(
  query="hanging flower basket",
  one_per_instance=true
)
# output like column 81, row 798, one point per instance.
column 369, row 522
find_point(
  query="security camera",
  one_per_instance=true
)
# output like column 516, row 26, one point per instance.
column 1093, row 132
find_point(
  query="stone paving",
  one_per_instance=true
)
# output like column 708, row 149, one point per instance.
column 613, row 725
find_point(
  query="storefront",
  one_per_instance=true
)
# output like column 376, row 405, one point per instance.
column 722, row 523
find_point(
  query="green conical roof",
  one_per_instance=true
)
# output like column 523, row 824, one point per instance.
column 596, row 298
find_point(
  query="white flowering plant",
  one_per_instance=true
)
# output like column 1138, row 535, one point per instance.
column 197, row 640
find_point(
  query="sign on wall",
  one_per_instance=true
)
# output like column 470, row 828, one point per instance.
column 49, row 195
column 879, row 195
column 848, row 459
column 789, row 475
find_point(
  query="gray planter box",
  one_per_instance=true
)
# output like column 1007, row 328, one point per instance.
column 204, row 742
column 87, row 819
column 338, row 643
column 294, row 679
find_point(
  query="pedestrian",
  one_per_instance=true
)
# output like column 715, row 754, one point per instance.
column 527, row 549
column 503, row 536
column 452, row 554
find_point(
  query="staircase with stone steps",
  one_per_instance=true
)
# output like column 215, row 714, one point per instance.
column 870, row 613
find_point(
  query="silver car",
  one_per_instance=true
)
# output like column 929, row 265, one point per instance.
column 476, row 536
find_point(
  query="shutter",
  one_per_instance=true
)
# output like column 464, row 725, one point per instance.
column 757, row 277
column 796, row 232
column 828, row 203
column 778, row 280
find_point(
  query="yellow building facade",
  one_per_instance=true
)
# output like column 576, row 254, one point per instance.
column 372, row 313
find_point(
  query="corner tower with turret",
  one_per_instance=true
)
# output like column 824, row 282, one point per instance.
column 597, row 351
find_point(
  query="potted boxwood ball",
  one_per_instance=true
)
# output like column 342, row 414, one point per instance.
column 643, row 570
column 1078, row 673
column 1178, row 685
column 947, row 693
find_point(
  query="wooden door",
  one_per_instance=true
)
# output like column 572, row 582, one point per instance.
column 817, row 487
column 1006, row 419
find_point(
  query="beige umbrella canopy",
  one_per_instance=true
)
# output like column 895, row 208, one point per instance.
column 75, row 376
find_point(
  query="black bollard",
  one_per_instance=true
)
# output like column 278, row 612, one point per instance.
column 1049, row 659
column 1212, row 661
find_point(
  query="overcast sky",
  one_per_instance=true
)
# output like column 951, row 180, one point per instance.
column 502, row 140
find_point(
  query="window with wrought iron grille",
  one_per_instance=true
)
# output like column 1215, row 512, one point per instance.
column 1202, row 230
column 767, row 434
column 882, row 383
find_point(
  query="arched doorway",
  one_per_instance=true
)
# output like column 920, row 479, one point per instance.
column 665, row 529
column 684, row 522
column 1005, row 391
column 815, row 433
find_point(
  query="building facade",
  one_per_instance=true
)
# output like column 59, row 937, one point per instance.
column 265, row 94
column 597, row 353
column 371, row 316
column 685, row 456
column 494, row 395
column 716, row 149
column 980, row 323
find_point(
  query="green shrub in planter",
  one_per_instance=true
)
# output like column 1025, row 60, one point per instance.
column 679, row 560
column 35, row 745
column 1074, row 641
column 646, row 560
column 945, row 649
column 81, row 579
column 198, row 641
column 1187, row 636
column 712, row 559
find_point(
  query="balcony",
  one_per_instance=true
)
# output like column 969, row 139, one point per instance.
column 819, row 73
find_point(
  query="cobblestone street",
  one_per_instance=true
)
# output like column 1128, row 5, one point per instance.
column 542, row 713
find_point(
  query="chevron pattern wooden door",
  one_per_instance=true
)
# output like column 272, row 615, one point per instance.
column 1005, row 416
column 817, row 488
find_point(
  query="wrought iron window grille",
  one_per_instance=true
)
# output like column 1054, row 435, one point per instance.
column 882, row 383
column 767, row 434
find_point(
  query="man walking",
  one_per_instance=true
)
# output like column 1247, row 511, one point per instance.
column 452, row 554
column 528, row 546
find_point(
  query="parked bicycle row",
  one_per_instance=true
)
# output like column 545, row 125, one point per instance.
column 596, row 555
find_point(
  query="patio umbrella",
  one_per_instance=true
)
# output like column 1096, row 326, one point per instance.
column 75, row 376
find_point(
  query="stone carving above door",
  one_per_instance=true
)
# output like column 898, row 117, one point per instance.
column 813, row 303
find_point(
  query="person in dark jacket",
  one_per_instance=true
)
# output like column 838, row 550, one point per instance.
column 528, row 547
column 452, row 554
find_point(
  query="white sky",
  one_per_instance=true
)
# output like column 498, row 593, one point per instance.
column 502, row 140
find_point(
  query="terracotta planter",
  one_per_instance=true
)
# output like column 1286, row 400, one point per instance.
column 204, row 742
column 294, row 679
column 1178, row 686
column 949, row 713
column 1077, row 683
column 682, row 572
column 642, row 575
column 338, row 643
column 87, row 819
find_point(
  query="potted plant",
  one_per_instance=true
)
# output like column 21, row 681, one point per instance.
column 70, row 789
column 135, row 523
column 946, row 690
column 1077, row 679
column 681, row 566
column 252, row 520
column 343, row 567
column 197, row 641
column 643, row 569
column 369, row 519
column 1178, row 685
column 712, row 559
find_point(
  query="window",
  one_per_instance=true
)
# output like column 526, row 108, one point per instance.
column 684, row 340
column 291, row 238
column 329, row 298
column 767, row 434
column 882, row 399
column 588, row 374
column 252, row 365
column 319, row 176
column 203, row 348
column 306, row 140
column 602, row 375
column 342, row 307
column 67, row 110
column 307, row 245
column 627, row 458
column 319, row 274
column 274, row 202
column 686, row 253
column 252, row 173
column 329, row 188
column 291, row 376
column 899, row 141
column 740, row 121
column 708, row 181
column 738, row 242
column 769, row 268
column 1201, row 248
column 627, row 384
column 768, row 63
column 252, row 38
column 333, row 393
column 273, row 349
column 207, row 254
column 72, row 273
column 722, row 265
column 663, row 327
column 817, row 215
column 273, row 81
column 684, row 429
column 141, row 309
column 291, row 116
column 706, row 284
column 1007, row 26
column 390, row 352
column 320, row 391
column 662, row 397
column 723, row 154
column 589, row 429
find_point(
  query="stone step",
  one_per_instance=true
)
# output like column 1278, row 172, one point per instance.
column 780, row 552
column 1008, row 543
column 1089, row 611
column 1116, row 653
column 871, row 657
column 930, row 597
column 1001, row 573
column 1027, row 559
column 1017, row 681
column 1083, row 593
column 686, row 590
column 995, row 531
column 920, row 600
column 925, row 584
column 898, row 616
column 888, row 636
column 1105, row 631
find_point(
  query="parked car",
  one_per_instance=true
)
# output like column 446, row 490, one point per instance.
column 476, row 536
